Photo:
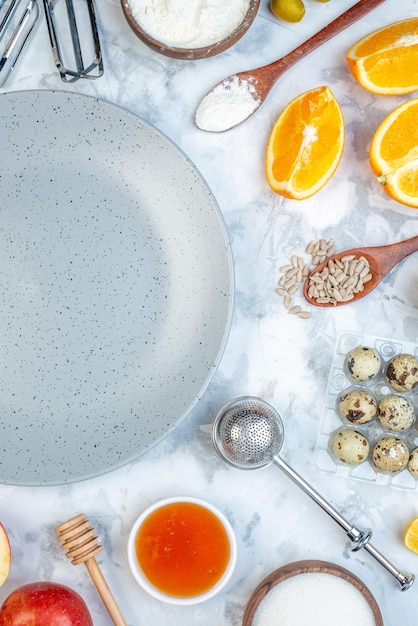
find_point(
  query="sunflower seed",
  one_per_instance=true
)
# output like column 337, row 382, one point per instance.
column 359, row 267
column 364, row 271
column 287, row 302
column 292, row 272
column 331, row 266
column 288, row 284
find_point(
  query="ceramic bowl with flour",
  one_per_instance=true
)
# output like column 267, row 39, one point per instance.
column 190, row 30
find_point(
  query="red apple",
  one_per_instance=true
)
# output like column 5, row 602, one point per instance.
column 5, row 555
column 44, row 604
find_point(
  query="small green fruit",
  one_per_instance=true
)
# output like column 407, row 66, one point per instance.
column 288, row 10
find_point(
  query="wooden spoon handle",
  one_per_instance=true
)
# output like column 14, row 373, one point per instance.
column 343, row 21
column 105, row 593
column 395, row 252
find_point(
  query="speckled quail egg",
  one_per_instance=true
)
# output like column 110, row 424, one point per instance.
column 363, row 363
column 349, row 446
column 390, row 455
column 413, row 463
column 357, row 406
column 395, row 412
column 402, row 372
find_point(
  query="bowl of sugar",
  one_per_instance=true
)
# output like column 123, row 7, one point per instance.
column 196, row 29
column 312, row 591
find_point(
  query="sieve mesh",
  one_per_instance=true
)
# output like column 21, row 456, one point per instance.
column 248, row 433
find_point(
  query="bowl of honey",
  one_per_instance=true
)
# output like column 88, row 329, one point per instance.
column 182, row 550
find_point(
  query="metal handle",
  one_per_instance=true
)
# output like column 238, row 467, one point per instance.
column 360, row 538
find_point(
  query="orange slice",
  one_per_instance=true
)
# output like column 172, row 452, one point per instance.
column 305, row 145
column 386, row 60
column 411, row 535
column 394, row 153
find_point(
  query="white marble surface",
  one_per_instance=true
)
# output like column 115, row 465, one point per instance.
column 269, row 353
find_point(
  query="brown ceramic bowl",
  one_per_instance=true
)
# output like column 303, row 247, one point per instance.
column 303, row 567
column 191, row 53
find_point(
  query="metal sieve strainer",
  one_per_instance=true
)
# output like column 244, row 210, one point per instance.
column 248, row 433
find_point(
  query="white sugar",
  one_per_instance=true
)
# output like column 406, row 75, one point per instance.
column 314, row 598
column 228, row 104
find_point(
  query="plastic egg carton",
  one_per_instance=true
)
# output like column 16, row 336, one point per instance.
column 338, row 382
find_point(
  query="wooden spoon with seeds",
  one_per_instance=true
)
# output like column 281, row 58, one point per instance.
column 255, row 85
column 382, row 259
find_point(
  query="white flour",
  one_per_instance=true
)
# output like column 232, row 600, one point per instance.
column 189, row 23
column 228, row 104
column 314, row 598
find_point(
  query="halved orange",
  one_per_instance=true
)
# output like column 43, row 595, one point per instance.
column 386, row 60
column 394, row 153
column 305, row 145
column 411, row 535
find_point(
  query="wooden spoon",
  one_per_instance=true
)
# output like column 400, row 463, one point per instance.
column 382, row 260
column 79, row 541
column 256, row 84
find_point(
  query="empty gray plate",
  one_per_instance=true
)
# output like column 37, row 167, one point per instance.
column 116, row 287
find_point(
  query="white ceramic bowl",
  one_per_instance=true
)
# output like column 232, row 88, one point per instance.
column 145, row 583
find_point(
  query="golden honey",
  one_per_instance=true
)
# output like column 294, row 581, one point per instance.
column 183, row 549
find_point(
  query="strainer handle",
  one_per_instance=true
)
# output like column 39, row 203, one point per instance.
column 359, row 538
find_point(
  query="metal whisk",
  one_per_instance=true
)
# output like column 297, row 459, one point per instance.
column 18, row 19
column 248, row 433
column 70, row 40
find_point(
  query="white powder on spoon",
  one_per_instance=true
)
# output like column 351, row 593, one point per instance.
column 189, row 23
column 314, row 598
column 227, row 104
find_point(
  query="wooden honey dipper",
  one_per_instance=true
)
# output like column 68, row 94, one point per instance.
column 80, row 543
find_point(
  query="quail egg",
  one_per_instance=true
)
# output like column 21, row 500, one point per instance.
column 402, row 372
column 363, row 363
column 357, row 406
column 349, row 446
column 413, row 463
column 395, row 412
column 390, row 455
